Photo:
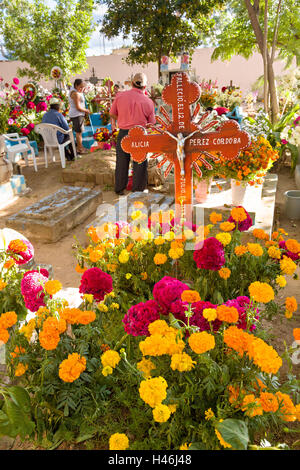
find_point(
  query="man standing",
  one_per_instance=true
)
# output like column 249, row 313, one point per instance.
column 131, row 108
column 54, row 116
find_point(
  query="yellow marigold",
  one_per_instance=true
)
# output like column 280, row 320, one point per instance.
column 161, row 344
column 269, row 402
column 296, row 333
column 263, row 355
column 8, row 264
column 224, row 273
column 238, row 214
column 49, row 339
column 107, row 370
column 176, row 253
column 224, row 238
column 172, row 407
column 118, row 441
column 251, row 406
column 144, row 276
column 190, row 296
column 260, row 234
column 210, row 314
column 114, row 306
column 146, row 366
column 3, row 284
column 209, row 414
column 222, row 442
column 274, row 252
column 95, row 255
column 237, row 339
column 153, row 391
column 28, row 329
column 160, row 258
column 52, row 287
column 110, row 358
column 80, row 269
column 227, row 226
column 255, row 249
column 21, row 369
column 4, row 335
column 128, row 276
column 71, row 368
column 182, row 362
column 293, row 246
column 240, row 250
column 288, row 314
column 89, row 298
column 201, row 342
column 160, row 327
column 287, row 266
column 261, row 292
column 102, row 307
column 169, row 236
column 281, row 281
column 159, row 241
column 8, row 319
column 227, row 314
column 185, row 446
column 17, row 246
column 124, row 256
column 286, row 406
column 161, row 413
column 215, row 217
column 290, row 304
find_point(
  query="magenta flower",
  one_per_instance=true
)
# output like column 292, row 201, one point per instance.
column 30, row 126
column 290, row 254
column 30, row 105
column 139, row 317
column 14, row 87
column 32, row 289
column 96, row 282
column 16, row 81
column 284, row 141
column 245, row 224
column 10, row 121
column 22, row 92
column 166, row 291
column 25, row 131
column 210, row 256
column 41, row 106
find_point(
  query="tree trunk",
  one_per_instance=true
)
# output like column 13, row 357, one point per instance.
column 265, row 62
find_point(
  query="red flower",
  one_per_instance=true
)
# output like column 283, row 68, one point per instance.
column 30, row 105
column 95, row 281
column 166, row 291
column 16, row 81
column 32, row 289
column 211, row 256
column 139, row 317
column 25, row 131
column 245, row 224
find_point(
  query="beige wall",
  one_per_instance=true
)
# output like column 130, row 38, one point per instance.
column 242, row 72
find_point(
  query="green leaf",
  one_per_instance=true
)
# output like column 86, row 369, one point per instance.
column 235, row 433
column 197, row 446
column 20, row 397
column 5, row 425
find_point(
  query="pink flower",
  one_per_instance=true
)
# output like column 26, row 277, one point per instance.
column 14, row 87
column 284, row 141
column 296, row 121
column 25, row 131
column 22, row 92
column 245, row 224
column 30, row 126
column 23, row 256
column 48, row 97
column 30, row 105
column 32, row 289
column 139, row 317
column 95, row 281
column 290, row 254
column 16, row 81
column 220, row 110
column 10, row 121
column 166, row 291
column 211, row 256
column 41, row 106
column 106, row 146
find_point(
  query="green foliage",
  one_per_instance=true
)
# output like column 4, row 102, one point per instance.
column 44, row 37
column 235, row 433
column 158, row 27
column 16, row 413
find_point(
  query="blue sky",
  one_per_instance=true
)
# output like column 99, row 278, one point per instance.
column 98, row 43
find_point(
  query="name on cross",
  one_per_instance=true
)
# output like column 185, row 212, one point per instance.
column 180, row 105
column 141, row 143
column 215, row 141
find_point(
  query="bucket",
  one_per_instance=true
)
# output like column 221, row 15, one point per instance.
column 238, row 192
column 292, row 204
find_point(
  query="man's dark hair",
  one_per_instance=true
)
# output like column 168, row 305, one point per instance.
column 78, row 82
column 55, row 106
column 138, row 85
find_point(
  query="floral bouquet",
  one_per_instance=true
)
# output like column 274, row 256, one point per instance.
column 106, row 138
column 208, row 94
column 229, row 98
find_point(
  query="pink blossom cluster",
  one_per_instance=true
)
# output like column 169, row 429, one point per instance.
column 290, row 254
column 23, row 256
column 96, row 282
column 210, row 256
column 32, row 289
column 139, row 317
column 245, row 224
column 166, row 291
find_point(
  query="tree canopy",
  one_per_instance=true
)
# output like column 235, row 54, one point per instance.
column 46, row 37
column 158, row 27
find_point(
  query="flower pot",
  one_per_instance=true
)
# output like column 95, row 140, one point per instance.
column 292, row 204
column 238, row 191
column 202, row 190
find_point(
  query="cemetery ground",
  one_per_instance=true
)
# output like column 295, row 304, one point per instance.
column 59, row 255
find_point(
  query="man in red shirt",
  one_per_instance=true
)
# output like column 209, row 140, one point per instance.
column 131, row 108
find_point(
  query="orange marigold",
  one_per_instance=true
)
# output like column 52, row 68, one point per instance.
column 71, row 368
column 9, row 263
column 236, row 339
column 261, row 292
column 80, row 269
column 201, row 342
column 52, row 287
column 263, row 355
column 49, row 339
column 227, row 314
column 260, row 234
column 269, row 402
column 8, row 319
column 292, row 245
column 227, row 226
column 224, row 273
column 296, row 333
column 17, row 246
column 291, row 304
column 286, row 407
column 215, row 217
column 240, row 250
column 160, row 258
column 287, row 266
column 274, row 252
column 4, row 335
column 190, row 296
column 238, row 214
column 251, row 406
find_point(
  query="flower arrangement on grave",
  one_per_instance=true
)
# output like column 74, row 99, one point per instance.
column 208, row 93
column 181, row 371
column 108, row 138
column 229, row 98
column 253, row 162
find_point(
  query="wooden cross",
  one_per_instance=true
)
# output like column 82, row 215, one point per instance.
column 183, row 141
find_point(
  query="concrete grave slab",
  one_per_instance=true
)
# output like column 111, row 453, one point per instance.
column 53, row 216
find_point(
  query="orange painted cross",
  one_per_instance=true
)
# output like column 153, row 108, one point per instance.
column 183, row 141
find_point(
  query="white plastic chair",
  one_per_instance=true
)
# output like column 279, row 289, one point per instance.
column 49, row 134
column 20, row 145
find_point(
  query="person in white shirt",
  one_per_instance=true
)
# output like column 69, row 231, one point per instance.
column 78, row 111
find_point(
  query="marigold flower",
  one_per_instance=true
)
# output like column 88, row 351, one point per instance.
column 17, row 246
column 235, row 395
column 49, row 339
column 238, row 214
column 107, row 370
column 80, row 269
column 224, row 273
column 296, row 333
column 286, row 407
column 215, row 217
column 222, row 442
column 281, row 281
column 263, row 355
column 224, row 238
column 288, row 314
column 8, row 264
column 287, row 266
column 21, row 369
column 210, row 314
column 52, row 287
column 160, row 258
column 261, row 292
column 96, row 255
column 17, row 352
column 118, row 441
column 3, row 284
column 159, row 241
column 236, row 339
column 293, row 245
column 110, row 358
column 176, row 253
column 146, row 366
column 201, row 342
column 251, row 406
column 290, row 304
column 185, row 446
column 182, row 362
column 260, row 234
column 128, row 276
column 255, row 249
column 160, row 327
column 124, row 256
column 71, row 368
column 190, row 296
column 8, row 319
column 89, row 298
column 274, row 252
column 144, row 276
column 4, row 335
column 227, row 226
column 269, row 402
column 28, row 329
column 209, row 414
column 172, row 407
column 169, row 236
column 161, row 413
column 153, row 391
column 227, row 314
column 240, row 250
